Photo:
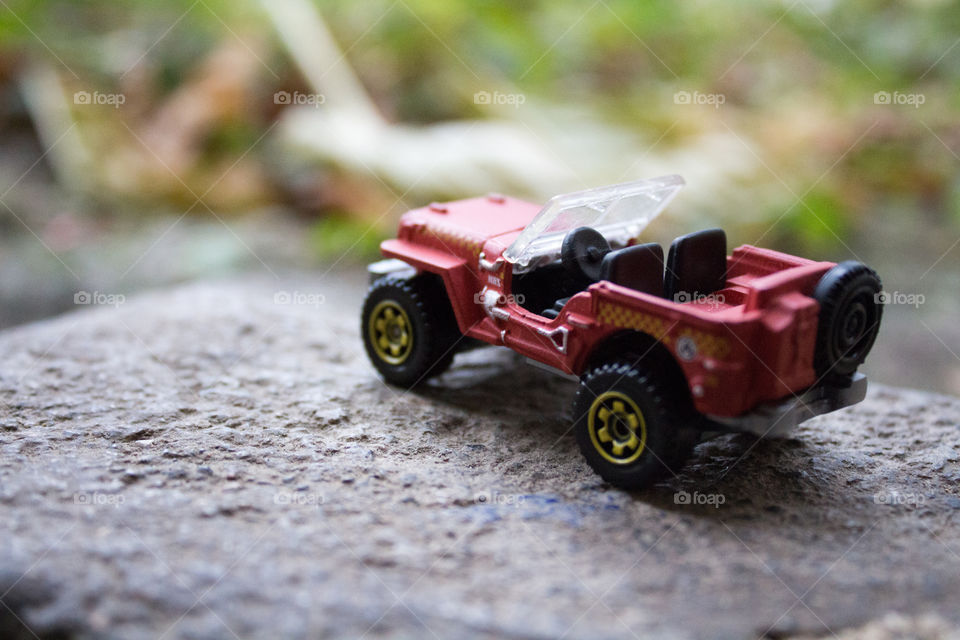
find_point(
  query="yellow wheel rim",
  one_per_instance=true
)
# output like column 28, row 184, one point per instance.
column 616, row 426
column 391, row 333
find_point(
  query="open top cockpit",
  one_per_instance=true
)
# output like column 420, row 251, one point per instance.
column 590, row 236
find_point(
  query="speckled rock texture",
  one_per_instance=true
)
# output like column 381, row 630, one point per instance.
column 219, row 460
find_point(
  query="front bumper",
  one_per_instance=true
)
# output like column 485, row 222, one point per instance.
column 779, row 419
column 390, row 267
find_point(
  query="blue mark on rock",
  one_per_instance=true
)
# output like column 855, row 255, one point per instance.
column 496, row 506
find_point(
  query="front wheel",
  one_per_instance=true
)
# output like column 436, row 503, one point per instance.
column 408, row 329
column 632, row 430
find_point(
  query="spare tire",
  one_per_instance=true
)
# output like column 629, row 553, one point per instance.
column 850, row 311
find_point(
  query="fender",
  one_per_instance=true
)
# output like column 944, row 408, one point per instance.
column 457, row 275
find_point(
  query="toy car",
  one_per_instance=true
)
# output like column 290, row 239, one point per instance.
column 664, row 350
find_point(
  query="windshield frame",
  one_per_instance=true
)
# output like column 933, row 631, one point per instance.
column 620, row 212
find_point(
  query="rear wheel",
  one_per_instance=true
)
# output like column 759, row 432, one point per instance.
column 850, row 312
column 408, row 329
column 631, row 430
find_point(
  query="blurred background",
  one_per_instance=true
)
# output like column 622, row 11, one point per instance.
column 144, row 144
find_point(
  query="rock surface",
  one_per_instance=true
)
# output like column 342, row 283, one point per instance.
column 220, row 461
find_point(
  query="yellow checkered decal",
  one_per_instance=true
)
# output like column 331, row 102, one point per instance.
column 625, row 318
column 451, row 241
column 708, row 346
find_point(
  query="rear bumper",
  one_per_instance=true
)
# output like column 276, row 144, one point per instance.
column 779, row 419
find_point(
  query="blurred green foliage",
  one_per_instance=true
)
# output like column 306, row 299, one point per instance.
column 339, row 233
column 422, row 60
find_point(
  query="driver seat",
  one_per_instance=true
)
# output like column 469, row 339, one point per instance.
column 639, row 267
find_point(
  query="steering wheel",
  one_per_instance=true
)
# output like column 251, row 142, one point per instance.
column 582, row 252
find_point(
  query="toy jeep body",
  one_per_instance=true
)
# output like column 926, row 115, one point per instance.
column 665, row 349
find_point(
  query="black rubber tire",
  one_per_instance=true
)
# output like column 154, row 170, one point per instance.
column 433, row 328
column 670, row 437
column 850, row 313
column 582, row 253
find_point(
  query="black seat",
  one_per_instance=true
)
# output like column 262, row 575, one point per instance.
column 696, row 265
column 639, row 267
column 556, row 309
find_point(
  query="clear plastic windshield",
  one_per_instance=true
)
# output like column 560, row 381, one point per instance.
column 620, row 212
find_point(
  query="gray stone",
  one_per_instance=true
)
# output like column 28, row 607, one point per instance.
column 204, row 463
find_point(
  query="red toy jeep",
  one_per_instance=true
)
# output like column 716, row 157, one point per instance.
column 665, row 350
